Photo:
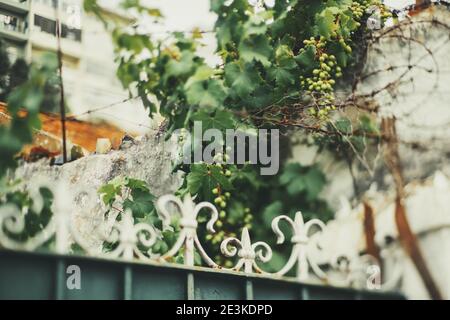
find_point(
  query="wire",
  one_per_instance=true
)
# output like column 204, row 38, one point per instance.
column 98, row 111
column 93, row 110
column 128, row 121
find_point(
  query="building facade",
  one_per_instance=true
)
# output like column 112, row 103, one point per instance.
column 28, row 27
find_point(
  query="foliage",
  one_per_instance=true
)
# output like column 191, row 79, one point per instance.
column 134, row 194
column 297, row 186
column 4, row 70
column 18, row 74
column 280, row 63
column 24, row 104
column 293, row 52
column 123, row 194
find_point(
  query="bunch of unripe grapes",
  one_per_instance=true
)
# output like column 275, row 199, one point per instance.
column 321, row 83
column 385, row 13
column 359, row 8
column 221, row 201
column 221, row 197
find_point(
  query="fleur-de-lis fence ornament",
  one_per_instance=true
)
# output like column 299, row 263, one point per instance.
column 129, row 236
column 12, row 219
column 300, row 254
column 188, row 211
column 247, row 252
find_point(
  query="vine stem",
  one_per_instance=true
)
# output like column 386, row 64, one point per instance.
column 407, row 238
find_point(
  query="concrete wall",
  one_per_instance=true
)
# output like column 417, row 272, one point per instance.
column 148, row 159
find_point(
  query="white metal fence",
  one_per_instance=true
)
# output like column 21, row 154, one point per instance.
column 135, row 241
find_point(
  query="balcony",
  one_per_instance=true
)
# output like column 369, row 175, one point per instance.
column 17, row 6
column 13, row 27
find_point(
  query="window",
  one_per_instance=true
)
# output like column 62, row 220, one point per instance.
column 49, row 26
column 71, row 34
column 45, row 25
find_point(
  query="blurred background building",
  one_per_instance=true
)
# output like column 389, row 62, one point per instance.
column 28, row 27
column 14, row 26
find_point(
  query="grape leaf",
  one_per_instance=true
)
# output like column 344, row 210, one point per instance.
column 256, row 48
column 326, row 22
column 314, row 181
column 307, row 58
column 108, row 193
column 221, row 119
column 140, row 204
column 242, row 81
column 208, row 93
column 205, row 178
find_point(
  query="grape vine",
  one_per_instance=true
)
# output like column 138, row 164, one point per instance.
column 282, row 61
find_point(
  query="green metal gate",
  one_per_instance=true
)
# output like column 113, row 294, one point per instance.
column 31, row 275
